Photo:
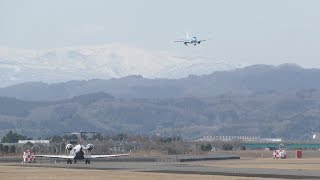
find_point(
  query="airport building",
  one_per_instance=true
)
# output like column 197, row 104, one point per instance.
column 241, row 138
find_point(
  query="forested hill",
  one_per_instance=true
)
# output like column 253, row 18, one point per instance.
column 273, row 113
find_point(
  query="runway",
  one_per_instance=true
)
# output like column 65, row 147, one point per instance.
column 284, row 169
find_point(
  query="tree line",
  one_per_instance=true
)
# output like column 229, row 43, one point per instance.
column 164, row 144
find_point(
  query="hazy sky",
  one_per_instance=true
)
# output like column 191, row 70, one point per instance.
column 251, row 31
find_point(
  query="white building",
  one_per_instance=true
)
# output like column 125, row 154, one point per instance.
column 34, row 141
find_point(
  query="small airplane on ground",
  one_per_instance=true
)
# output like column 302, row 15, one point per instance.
column 189, row 40
column 80, row 152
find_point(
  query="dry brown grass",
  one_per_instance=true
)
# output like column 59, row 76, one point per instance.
column 36, row 173
column 264, row 163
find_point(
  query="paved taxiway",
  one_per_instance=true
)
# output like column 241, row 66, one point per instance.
column 239, row 168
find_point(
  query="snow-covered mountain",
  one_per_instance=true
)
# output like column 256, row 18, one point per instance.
column 103, row 61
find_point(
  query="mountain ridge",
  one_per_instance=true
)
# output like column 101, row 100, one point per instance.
column 251, row 79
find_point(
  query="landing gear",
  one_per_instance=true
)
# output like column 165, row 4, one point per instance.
column 69, row 161
column 75, row 161
column 87, row 161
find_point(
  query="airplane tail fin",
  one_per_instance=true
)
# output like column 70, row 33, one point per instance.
column 187, row 35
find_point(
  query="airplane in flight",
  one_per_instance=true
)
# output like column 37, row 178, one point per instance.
column 80, row 152
column 189, row 40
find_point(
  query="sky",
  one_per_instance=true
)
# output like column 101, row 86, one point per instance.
column 246, row 31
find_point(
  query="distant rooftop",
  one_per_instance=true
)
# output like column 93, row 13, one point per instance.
column 34, row 141
column 243, row 138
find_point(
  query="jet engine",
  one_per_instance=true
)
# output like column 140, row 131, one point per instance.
column 89, row 147
column 69, row 147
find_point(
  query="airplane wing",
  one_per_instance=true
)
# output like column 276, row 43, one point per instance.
column 105, row 156
column 56, row 156
column 183, row 40
column 180, row 41
column 202, row 40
